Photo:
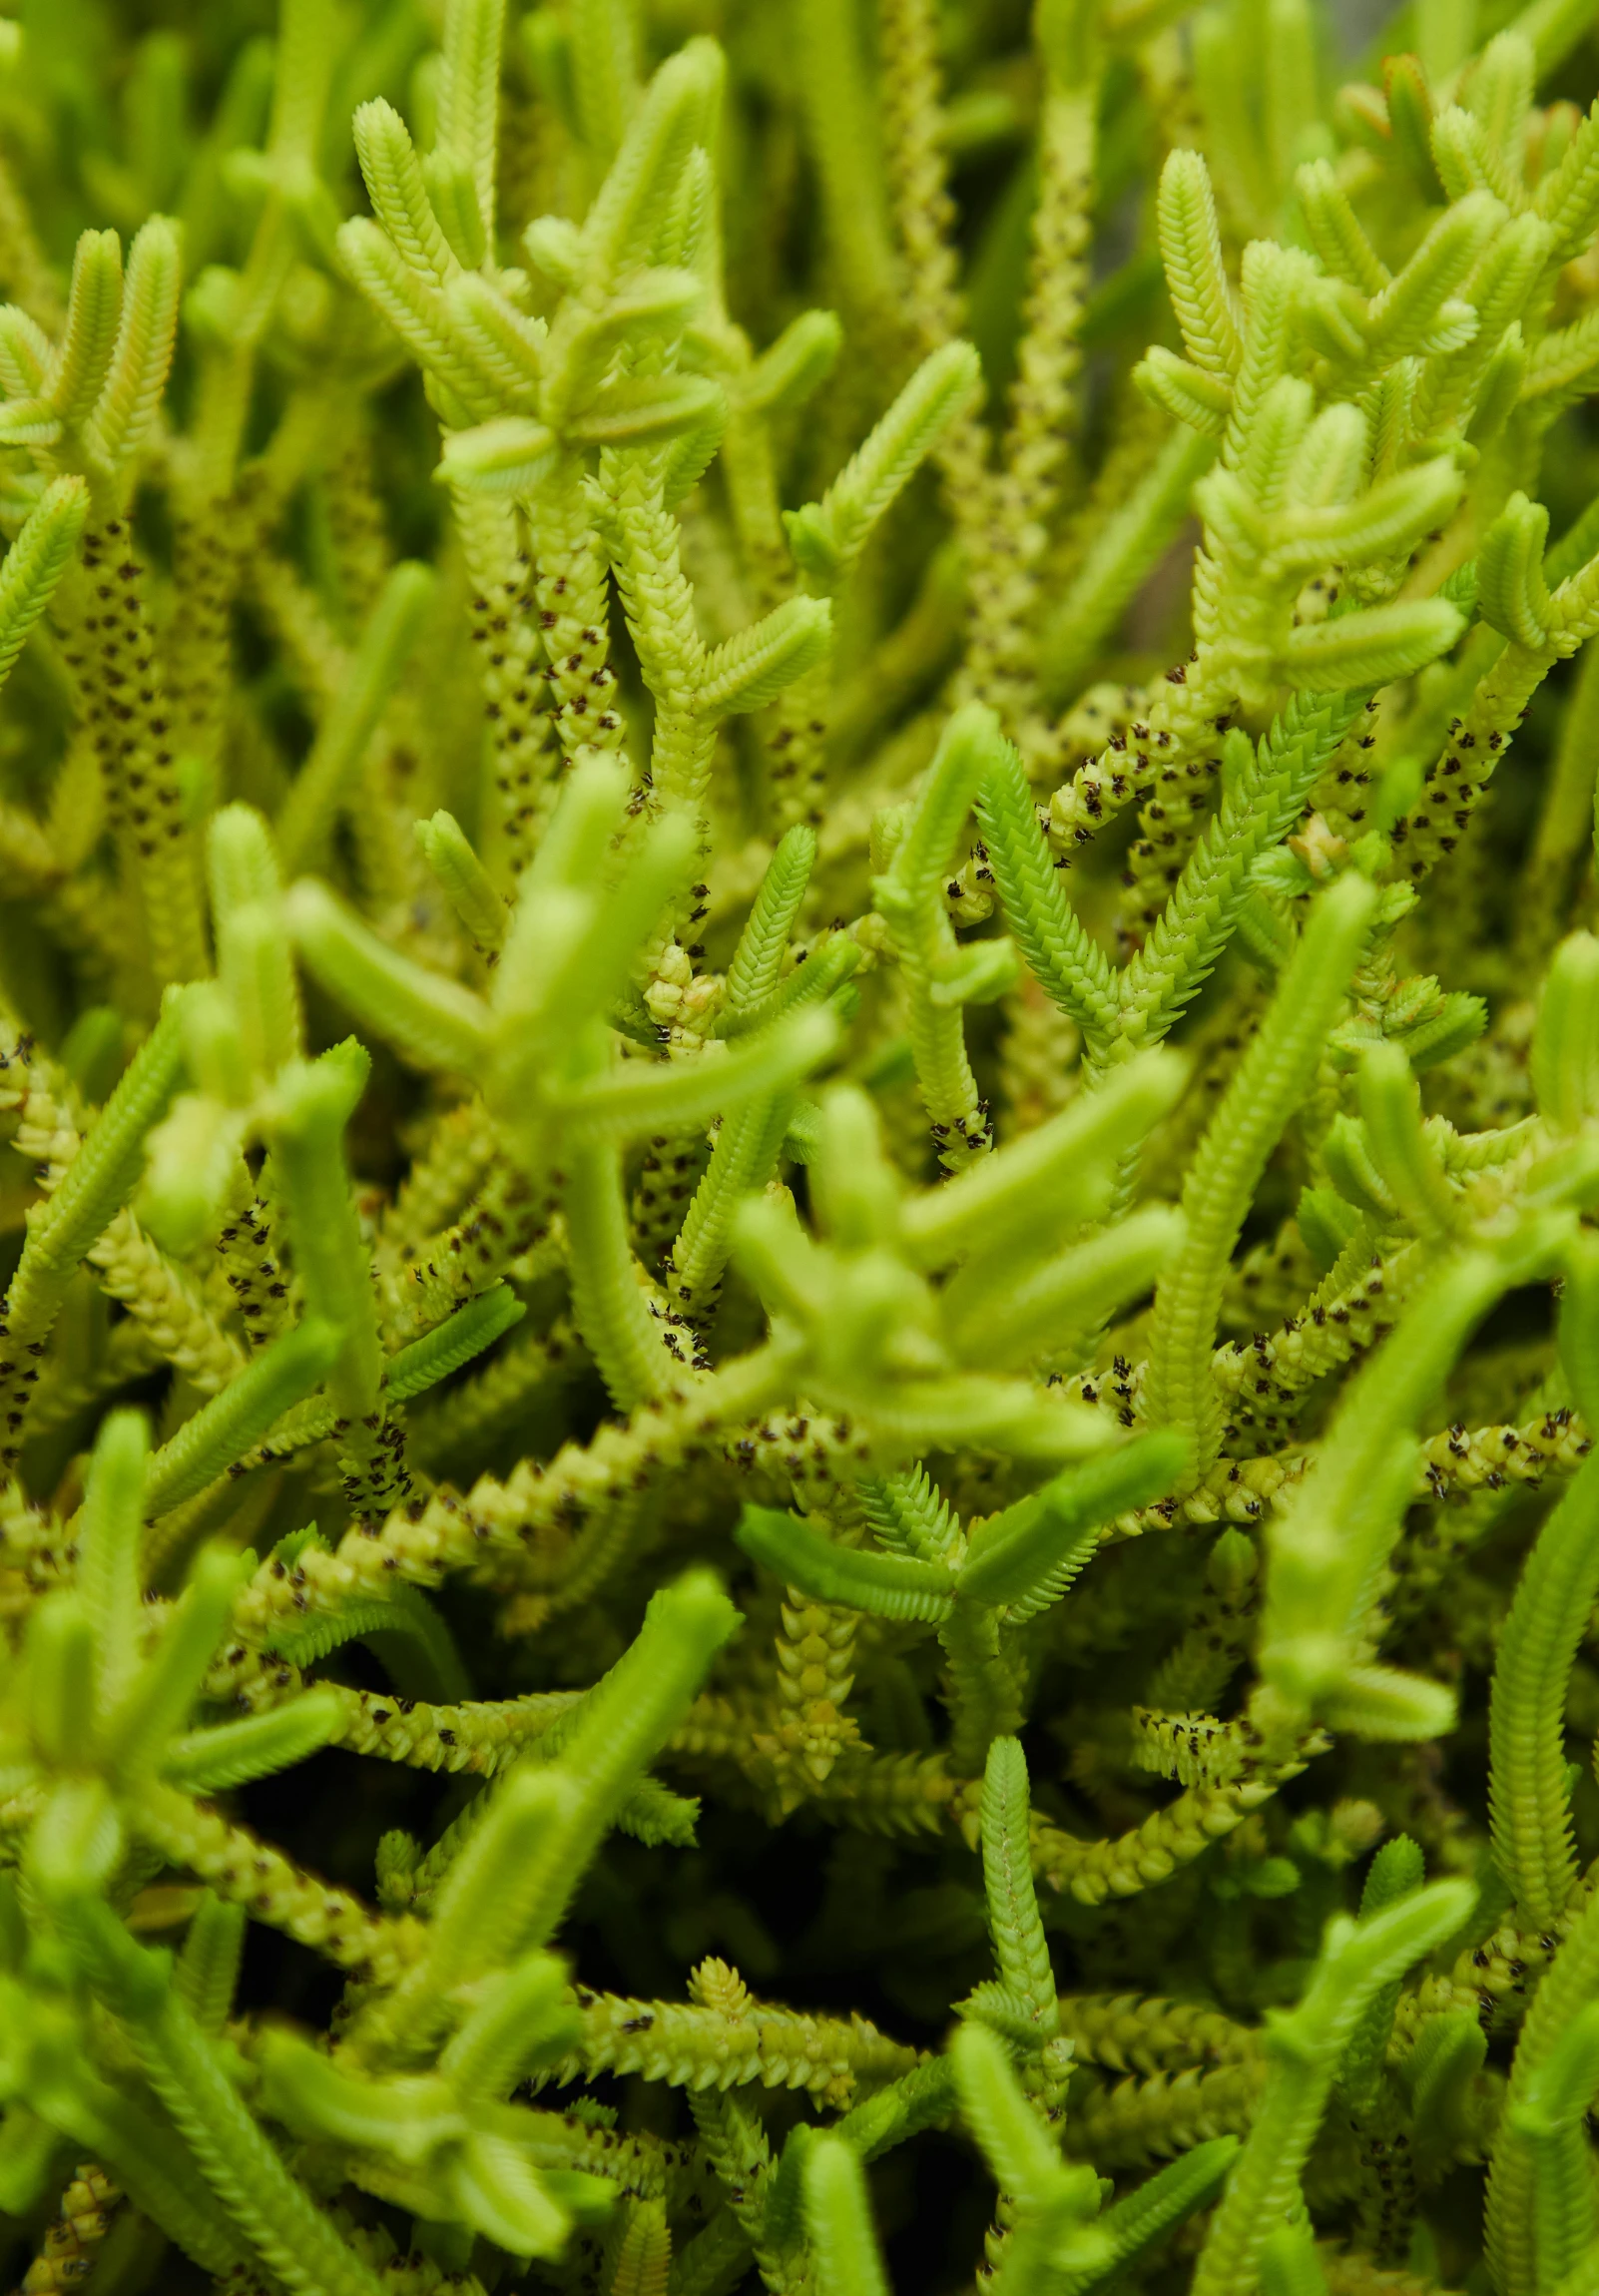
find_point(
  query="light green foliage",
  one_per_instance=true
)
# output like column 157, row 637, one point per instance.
column 1226, row 1173
column 1303, row 2047
column 839, row 2222
column 1529, row 1792
column 806, row 784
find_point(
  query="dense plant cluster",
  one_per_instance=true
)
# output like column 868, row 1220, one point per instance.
column 800, row 1144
